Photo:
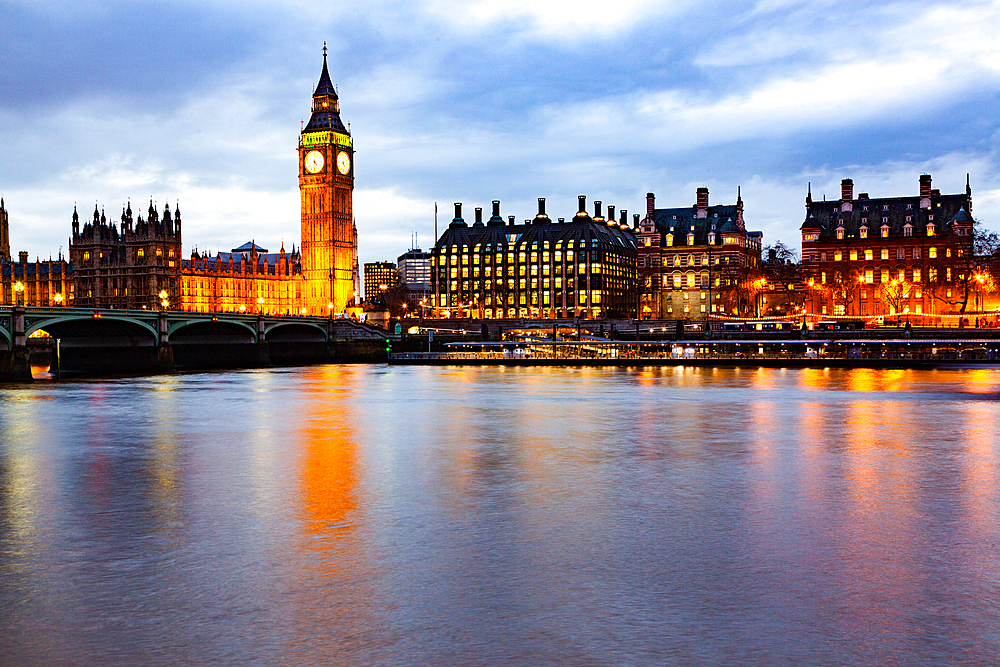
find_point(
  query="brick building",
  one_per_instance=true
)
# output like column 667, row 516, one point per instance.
column 697, row 260
column 868, row 257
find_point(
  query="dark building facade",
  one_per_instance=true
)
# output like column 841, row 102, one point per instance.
column 698, row 260
column 127, row 265
column 867, row 257
column 583, row 267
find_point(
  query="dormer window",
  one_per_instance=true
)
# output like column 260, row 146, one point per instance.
column 670, row 239
column 690, row 239
column 711, row 238
column 863, row 231
column 930, row 229
column 885, row 231
column 840, row 233
column 907, row 229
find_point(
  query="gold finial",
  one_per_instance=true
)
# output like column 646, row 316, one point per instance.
column 324, row 49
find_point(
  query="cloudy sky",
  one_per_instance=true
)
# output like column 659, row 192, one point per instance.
column 201, row 103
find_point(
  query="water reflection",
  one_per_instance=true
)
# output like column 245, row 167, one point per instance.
column 477, row 516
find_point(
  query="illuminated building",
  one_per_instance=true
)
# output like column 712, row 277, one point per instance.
column 132, row 266
column 326, row 186
column 868, row 257
column 380, row 277
column 247, row 279
column 414, row 267
column 584, row 267
column 697, row 260
column 127, row 267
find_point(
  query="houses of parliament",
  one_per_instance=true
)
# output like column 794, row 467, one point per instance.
column 137, row 262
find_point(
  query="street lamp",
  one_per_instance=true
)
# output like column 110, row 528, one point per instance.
column 164, row 300
column 260, row 304
column 19, row 291
column 58, row 299
column 243, row 308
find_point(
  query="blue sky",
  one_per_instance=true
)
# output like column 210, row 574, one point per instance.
column 201, row 102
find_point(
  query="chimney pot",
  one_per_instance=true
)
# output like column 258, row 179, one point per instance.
column 702, row 198
column 458, row 209
column 624, row 216
column 611, row 213
column 496, row 208
column 650, row 200
column 541, row 206
column 479, row 214
column 510, row 220
column 597, row 209
column 582, row 199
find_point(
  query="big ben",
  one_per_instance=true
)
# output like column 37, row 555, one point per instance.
column 326, row 186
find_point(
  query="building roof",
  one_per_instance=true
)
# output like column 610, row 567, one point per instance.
column 682, row 221
column 577, row 229
column 896, row 212
column 250, row 246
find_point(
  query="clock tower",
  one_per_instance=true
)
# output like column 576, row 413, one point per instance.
column 326, row 186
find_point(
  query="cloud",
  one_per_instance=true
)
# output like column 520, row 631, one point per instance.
column 201, row 102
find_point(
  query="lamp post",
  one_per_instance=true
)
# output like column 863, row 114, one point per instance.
column 164, row 300
column 260, row 305
column 19, row 292
column 58, row 299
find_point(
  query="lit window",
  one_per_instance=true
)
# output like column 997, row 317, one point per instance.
column 838, row 256
column 916, row 275
column 869, row 254
column 885, row 275
column 932, row 252
column 869, row 276
column 930, row 229
column 864, row 232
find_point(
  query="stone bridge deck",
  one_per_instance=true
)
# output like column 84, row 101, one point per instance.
column 138, row 341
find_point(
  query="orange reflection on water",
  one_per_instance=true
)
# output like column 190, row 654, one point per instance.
column 329, row 455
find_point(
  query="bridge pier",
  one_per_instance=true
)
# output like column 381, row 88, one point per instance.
column 15, row 364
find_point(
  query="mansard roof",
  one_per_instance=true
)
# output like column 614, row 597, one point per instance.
column 604, row 235
column 896, row 212
column 682, row 221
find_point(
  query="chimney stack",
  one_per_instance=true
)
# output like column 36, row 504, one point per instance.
column 701, row 199
column 458, row 210
column 611, row 213
column 582, row 200
column 847, row 190
column 479, row 215
column 925, row 191
column 510, row 220
column 597, row 210
column 650, row 199
column 496, row 208
column 624, row 217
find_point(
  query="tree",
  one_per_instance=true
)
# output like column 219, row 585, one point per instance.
column 783, row 270
column 896, row 295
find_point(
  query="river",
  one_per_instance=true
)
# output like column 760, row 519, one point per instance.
column 373, row 515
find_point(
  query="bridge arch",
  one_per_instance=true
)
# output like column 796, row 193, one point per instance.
column 295, row 332
column 90, row 331
column 211, row 331
column 6, row 341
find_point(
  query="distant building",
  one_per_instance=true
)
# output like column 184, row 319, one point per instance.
column 414, row 268
column 4, row 233
column 698, row 260
column 380, row 277
column 584, row 267
column 867, row 257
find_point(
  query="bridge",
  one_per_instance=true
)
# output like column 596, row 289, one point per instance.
column 104, row 341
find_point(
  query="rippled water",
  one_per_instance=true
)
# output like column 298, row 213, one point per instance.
column 446, row 516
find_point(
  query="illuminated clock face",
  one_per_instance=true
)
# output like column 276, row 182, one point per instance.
column 314, row 162
column 343, row 162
